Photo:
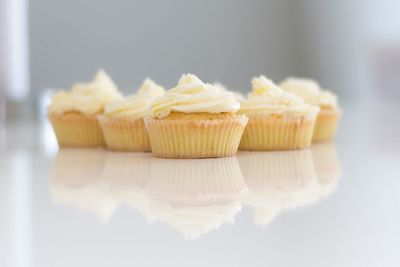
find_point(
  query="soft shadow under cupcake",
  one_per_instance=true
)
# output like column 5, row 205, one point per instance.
column 278, row 181
column 126, row 176
column 75, row 180
column 196, row 196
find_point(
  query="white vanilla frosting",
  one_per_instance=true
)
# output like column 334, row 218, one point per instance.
column 220, row 86
column 237, row 95
column 191, row 95
column 261, row 87
column 150, row 88
column 324, row 99
column 135, row 106
column 87, row 98
column 268, row 98
column 310, row 91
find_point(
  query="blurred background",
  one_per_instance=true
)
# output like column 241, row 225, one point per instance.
column 351, row 47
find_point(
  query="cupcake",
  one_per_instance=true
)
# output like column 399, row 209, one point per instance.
column 195, row 120
column 122, row 121
column 73, row 113
column 277, row 120
column 310, row 92
column 278, row 181
column 196, row 196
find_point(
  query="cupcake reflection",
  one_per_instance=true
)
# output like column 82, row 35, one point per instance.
column 75, row 180
column 126, row 176
column 196, row 196
column 277, row 181
column 327, row 167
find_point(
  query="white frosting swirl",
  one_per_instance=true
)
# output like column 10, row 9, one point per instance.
column 237, row 95
column 263, row 87
column 150, row 88
column 310, row 91
column 87, row 98
column 324, row 99
column 268, row 98
column 191, row 95
column 135, row 106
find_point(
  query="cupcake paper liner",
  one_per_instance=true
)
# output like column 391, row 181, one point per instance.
column 125, row 134
column 326, row 125
column 200, row 138
column 272, row 132
column 77, row 130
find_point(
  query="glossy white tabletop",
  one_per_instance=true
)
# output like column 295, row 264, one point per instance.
column 332, row 205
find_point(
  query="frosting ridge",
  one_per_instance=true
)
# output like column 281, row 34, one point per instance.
column 310, row 91
column 87, row 98
column 135, row 106
column 238, row 96
column 267, row 97
column 191, row 95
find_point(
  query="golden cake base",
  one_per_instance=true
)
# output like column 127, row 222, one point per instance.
column 326, row 125
column 77, row 130
column 123, row 134
column 277, row 132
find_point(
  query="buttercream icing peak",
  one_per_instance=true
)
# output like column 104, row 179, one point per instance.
column 189, row 79
column 149, row 87
column 135, row 106
column 262, row 86
column 191, row 95
column 267, row 97
column 310, row 91
column 88, row 98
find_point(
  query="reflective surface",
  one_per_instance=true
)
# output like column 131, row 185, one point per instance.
column 192, row 196
column 332, row 205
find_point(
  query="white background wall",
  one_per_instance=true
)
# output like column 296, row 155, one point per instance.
column 222, row 40
column 343, row 44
